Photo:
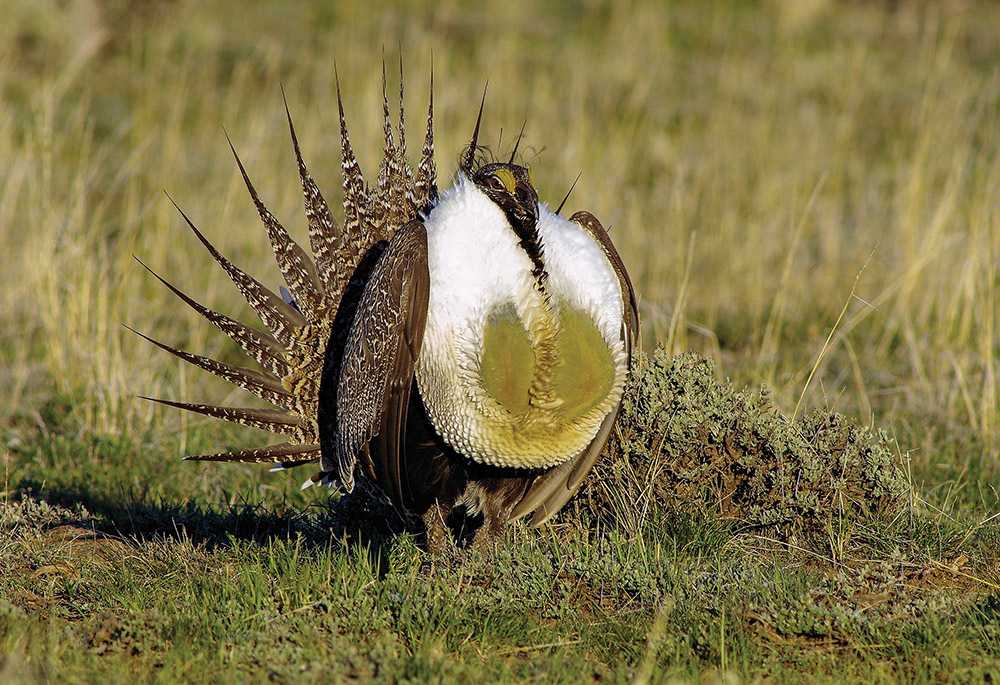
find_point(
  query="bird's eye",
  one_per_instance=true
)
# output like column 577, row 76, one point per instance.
column 502, row 181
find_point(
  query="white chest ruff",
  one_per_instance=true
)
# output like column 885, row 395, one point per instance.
column 477, row 267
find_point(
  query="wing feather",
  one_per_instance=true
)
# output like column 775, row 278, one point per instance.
column 379, row 357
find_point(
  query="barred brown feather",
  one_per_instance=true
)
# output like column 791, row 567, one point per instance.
column 274, row 454
column 274, row 420
column 324, row 232
column 279, row 316
column 264, row 349
column 425, row 186
column 296, row 267
column 262, row 385
column 357, row 211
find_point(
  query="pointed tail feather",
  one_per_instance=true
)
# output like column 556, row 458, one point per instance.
column 383, row 200
column 324, row 232
column 401, row 208
column 264, row 349
column 355, row 194
column 274, row 420
column 257, row 383
column 406, row 195
column 296, row 267
column 280, row 317
column 425, row 188
column 278, row 453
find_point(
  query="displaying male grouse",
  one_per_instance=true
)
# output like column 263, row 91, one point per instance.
column 516, row 324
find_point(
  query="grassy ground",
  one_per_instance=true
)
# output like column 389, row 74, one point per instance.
column 804, row 191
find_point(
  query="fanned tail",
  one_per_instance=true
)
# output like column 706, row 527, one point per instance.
column 302, row 323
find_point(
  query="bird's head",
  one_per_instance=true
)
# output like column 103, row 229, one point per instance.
column 509, row 186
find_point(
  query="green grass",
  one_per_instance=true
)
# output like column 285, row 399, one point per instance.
column 803, row 191
column 97, row 584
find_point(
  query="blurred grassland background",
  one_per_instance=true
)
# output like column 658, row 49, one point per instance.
column 806, row 191
column 762, row 166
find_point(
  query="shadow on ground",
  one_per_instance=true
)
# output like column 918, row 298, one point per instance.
column 353, row 520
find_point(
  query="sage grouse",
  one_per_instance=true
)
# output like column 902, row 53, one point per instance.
column 517, row 324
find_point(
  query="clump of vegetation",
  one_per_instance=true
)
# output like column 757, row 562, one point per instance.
column 687, row 441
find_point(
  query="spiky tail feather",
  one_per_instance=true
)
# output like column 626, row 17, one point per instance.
column 292, row 355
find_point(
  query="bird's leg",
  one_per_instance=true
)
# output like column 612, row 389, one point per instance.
column 437, row 531
column 491, row 533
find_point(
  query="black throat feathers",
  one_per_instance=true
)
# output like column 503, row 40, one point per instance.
column 509, row 186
